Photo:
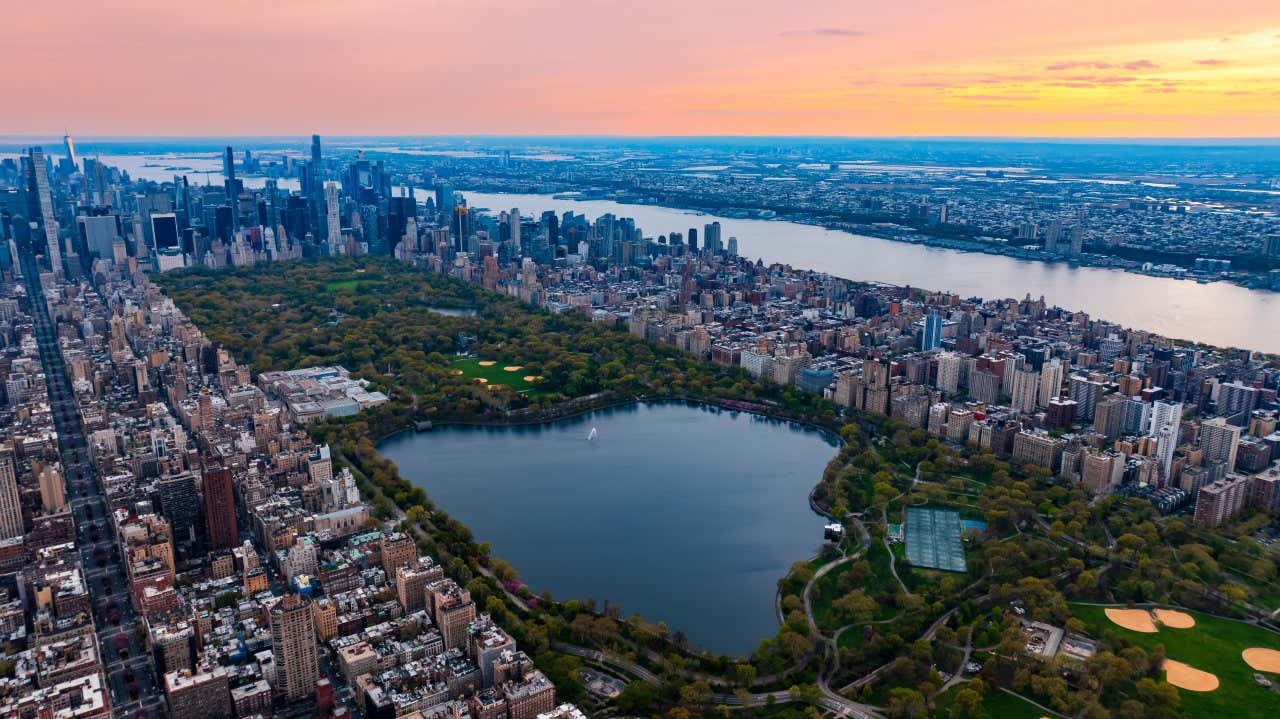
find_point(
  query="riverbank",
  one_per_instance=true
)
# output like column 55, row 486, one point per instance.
column 893, row 230
column 1183, row 311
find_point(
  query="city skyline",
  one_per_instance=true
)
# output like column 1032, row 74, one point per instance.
column 1139, row 69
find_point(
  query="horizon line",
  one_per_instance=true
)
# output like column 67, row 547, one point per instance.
column 620, row 136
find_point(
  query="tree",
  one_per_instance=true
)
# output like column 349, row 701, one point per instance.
column 905, row 703
column 967, row 704
column 695, row 694
column 638, row 699
column 857, row 606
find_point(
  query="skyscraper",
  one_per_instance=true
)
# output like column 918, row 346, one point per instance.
column 711, row 237
column 949, row 364
column 931, row 338
column 180, row 504
column 293, row 645
column 229, row 165
column 1026, row 384
column 1050, row 381
column 334, row 217
column 1219, row 442
column 40, row 173
column 316, row 187
column 53, row 491
column 219, row 509
column 71, row 149
column 10, row 503
column 1166, row 419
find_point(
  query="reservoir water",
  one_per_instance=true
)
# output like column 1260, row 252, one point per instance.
column 681, row 513
column 1218, row 313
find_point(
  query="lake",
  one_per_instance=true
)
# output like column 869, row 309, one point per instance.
column 1218, row 313
column 681, row 513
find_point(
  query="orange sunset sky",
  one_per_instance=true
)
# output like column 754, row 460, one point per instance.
column 1177, row 68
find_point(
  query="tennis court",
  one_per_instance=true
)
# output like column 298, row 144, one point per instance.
column 932, row 539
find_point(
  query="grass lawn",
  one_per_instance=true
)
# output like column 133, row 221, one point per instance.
column 825, row 591
column 853, row 637
column 1003, row 704
column 342, row 285
column 1213, row 645
column 496, row 374
column 996, row 704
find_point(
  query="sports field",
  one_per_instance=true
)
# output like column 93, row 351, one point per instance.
column 496, row 373
column 1212, row 645
column 932, row 538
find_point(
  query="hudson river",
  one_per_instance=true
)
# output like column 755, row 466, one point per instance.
column 1218, row 313
column 681, row 513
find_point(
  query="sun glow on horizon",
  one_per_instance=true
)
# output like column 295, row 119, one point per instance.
column 923, row 67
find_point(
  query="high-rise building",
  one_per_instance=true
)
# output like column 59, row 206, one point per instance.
column 1137, row 416
column 100, row 232
column 711, row 237
column 1236, row 401
column 1166, row 420
column 452, row 609
column 513, row 221
column 293, row 646
column 931, row 337
column 53, row 491
column 949, row 366
column 1026, row 386
column 229, row 164
column 1219, row 442
column 1039, row 449
column 71, row 149
column 1101, row 471
column 219, row 509
column 529, row 696
column 164, row 231
column 1108, row 416
column 334, row 217
column 1085, row 392
column 1050, row 380
column 315, row 188
column 10, row 503
column 412, row 581
column 398, row 550
column 180, row 504
column 984, row 387
column 48, row 220
column 202, row 694
column 1221, row 500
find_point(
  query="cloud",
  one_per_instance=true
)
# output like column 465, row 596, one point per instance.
column 941, row 84
column 1098, row 79
column 1143, row 64
column 824, row 32
column 998, row 98
column 1213, row 62
column 1077, row 64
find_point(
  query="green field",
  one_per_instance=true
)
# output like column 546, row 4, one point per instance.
column 1213, row 645
column 996, row 705
column 495, row 374
column 342, row 286
column 1007, row 706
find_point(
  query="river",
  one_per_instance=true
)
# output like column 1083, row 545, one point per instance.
column 681, row 513
column 1218, row 313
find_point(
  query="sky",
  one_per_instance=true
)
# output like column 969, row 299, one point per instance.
column 1043, row 68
